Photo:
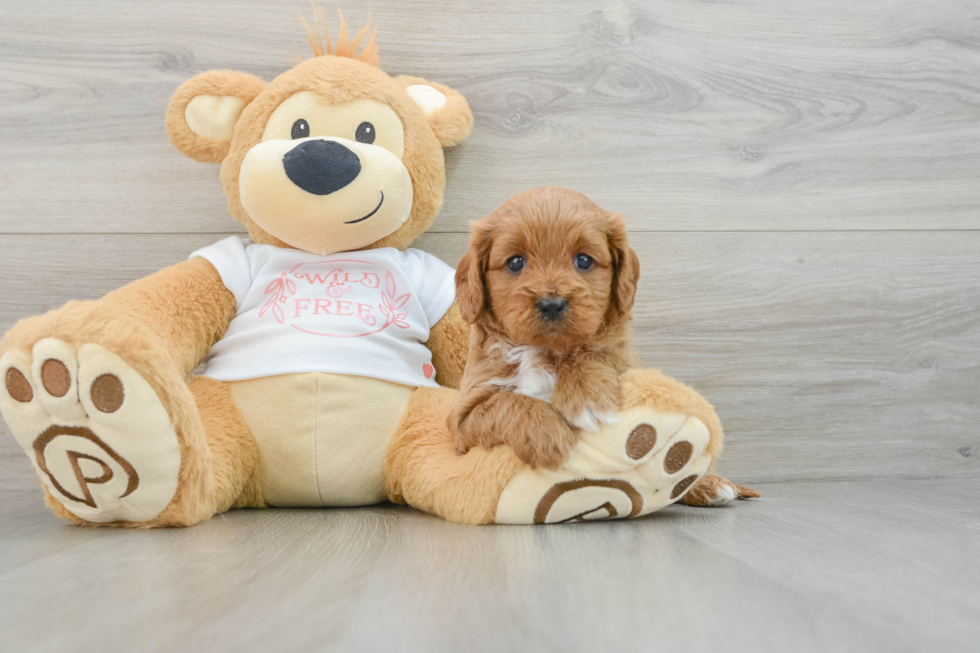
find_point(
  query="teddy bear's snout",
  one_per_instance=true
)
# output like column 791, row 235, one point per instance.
column 320, row 166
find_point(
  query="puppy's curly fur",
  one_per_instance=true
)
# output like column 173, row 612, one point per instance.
column 551, row 331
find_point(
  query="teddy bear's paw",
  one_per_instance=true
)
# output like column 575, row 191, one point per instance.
column 647, row 460
column 99, row 437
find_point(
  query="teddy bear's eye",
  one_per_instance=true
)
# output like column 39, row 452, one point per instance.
column 301, row 129
column 365, row 133
column 584, row 262
column 515, row 264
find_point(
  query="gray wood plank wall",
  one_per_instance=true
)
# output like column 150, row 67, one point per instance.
column 802, row 181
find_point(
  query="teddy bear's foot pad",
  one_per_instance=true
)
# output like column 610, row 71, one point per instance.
column 646, row 461
column 99, row 437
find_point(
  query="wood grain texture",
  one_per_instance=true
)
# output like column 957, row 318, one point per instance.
column 827, row 355
column 749, row 115
column 867, row 566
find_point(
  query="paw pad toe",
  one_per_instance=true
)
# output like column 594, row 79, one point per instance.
column 641, row 440
column 18, row 386
column 678, row 456
column 682, row 487
column 55, row 377
column 107, row 393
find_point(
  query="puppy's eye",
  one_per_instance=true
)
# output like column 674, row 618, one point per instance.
column 515, row 264
column 365, row 133
column 584, row 262
column 301, row 129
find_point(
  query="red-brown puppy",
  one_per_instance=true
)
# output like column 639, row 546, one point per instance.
column 547, row 283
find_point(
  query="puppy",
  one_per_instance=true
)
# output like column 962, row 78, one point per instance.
column 547, row 283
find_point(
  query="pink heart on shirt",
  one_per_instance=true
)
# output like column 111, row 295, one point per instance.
column 428, row 370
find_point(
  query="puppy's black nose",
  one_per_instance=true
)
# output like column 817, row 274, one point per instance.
column 552, row 308
column 321, row 167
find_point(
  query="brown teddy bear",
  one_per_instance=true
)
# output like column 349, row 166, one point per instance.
column 325, row 337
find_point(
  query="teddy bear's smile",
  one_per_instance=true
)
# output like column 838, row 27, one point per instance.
column 376, row 209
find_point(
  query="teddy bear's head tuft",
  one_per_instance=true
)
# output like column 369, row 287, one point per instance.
column 346, row 47
column 332, row 155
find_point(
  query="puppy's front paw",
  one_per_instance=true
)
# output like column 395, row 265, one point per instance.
column 590, row 419
column 465, row 439
column 547, row 448
column 589, row 403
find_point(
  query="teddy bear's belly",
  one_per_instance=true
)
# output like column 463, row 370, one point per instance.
column 321, row 437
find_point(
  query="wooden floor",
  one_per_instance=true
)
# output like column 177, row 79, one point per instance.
column 802, row 184
column 825, row 566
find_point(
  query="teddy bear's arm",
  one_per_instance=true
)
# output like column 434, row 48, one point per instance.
column 449, row 343
column 186, row 305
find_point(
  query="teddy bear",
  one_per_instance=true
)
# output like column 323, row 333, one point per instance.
column 331, row 348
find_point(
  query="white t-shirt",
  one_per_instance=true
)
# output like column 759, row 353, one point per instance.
column 362, row 313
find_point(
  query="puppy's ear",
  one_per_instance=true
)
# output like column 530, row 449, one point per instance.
column 471, row 293
column 626, row 265
column 202, row 113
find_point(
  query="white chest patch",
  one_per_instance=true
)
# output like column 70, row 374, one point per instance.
column 534, row 377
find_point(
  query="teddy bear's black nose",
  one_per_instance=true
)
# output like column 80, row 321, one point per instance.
column 321, row 167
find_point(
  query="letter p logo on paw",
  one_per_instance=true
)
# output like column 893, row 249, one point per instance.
column 58, row 455
column 101, row 440
column 587, row 500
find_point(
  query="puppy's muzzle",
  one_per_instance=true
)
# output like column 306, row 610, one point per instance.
column 321, row 167
column 552, row 309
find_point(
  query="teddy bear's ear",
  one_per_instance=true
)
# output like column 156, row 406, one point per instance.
column 448, row 113
column 202, row 113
